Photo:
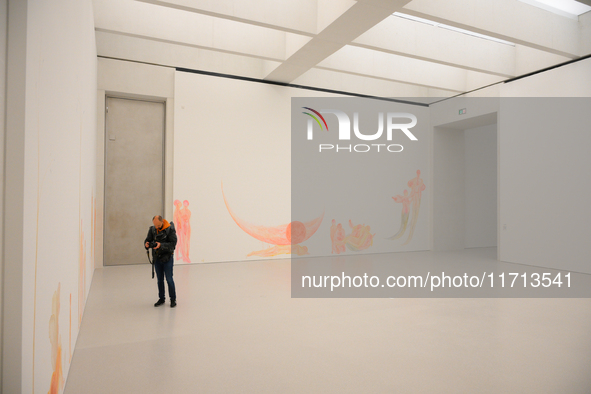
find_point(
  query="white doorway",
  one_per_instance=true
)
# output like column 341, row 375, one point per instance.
column 465, row 178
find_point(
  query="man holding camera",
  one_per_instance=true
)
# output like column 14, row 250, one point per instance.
column 162, row 240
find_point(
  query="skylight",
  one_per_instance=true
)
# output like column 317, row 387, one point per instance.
column 569, row 8
column 448, row 27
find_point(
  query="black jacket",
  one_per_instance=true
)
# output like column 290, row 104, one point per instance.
column 167, row 239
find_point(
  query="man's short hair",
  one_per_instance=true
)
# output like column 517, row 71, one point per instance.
column 157, row 216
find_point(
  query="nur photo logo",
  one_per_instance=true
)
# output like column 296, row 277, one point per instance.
column 395, row 122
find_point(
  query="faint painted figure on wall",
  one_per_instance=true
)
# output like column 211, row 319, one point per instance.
column 337, row 236
column 185, row 220
column 176, row 218
column 182, row 220
column 359, row 239
column 405, row 201
column 410, row 203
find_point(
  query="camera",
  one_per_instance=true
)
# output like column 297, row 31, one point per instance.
column 153, row 244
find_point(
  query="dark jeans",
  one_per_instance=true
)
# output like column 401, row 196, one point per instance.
column 165, row 269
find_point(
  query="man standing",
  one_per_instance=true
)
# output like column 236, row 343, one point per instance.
column 162, row 236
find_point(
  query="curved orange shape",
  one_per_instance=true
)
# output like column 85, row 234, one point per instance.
column 277, row 235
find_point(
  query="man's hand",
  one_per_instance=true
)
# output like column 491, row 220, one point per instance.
column 157, row 245
column 147, row 245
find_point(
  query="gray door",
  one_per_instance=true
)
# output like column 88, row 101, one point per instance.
column 134, row 177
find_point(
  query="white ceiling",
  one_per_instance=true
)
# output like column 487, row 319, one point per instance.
column 345, row 45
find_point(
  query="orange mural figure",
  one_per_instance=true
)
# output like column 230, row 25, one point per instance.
column 185, row 241
column 176, row 218
column 416, row 189
column 359, row 239
column 285, row 237
column 182, row 220
column 413, row 200
column 337, row 236
column 405, row 200
column 57, row 378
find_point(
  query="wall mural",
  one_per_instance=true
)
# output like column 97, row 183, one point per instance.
column 359, row 239
column 417, row 186
column 285, row 238
column 57, row 378
column 60, row 361
column 405, row 201
column 182, row 222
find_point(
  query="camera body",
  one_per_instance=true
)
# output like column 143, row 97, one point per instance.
column 160, row 237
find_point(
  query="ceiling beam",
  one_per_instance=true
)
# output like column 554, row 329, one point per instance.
column 351, row 24
column 392, row 35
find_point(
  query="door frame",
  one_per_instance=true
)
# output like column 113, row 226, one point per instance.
column 440, row 241
column 105, row 139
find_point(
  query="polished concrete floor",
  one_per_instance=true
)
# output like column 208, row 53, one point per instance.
column 236, row 330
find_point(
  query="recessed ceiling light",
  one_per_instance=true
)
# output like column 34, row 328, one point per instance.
column 448, row 27
column 569, row 8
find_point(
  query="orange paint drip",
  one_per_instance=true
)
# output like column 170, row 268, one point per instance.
column 57, row 377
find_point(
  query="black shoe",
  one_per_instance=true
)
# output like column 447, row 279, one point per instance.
column 160, row 302
column 172, row 304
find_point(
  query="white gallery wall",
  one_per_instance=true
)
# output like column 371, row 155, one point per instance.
column 544, row 169
column 227, row 105
column 211, row 98
column 238, row 133
column 51, row 137
column 235, row 132
column 382, row 191
column 480, row 147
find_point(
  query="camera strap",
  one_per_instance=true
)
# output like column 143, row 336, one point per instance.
column 148, row 253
